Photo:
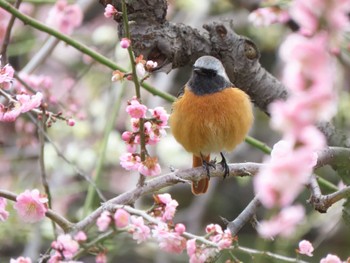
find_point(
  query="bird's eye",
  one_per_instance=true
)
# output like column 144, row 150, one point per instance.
column 209, row 72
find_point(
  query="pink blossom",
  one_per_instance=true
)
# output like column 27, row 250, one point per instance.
column 65, row 17
column 282, row 224
column 135, row 109
column 140, row 231
column 161, row 116
column 29, row 102
column 150, row 65
column 125, row 42
column 331, row 259
column 267, row 16
column 66, row 245
column 103, row 221
column 222, row 238
column 110, row 11
column 180, row 228
column 168, row 241
column 195, row 254
column 170, row 206
column 10, row 114
column 3, row 213
column 150, row 167
column 71, row 122
column 55, row 258
column 6, row 76
column 305, row 248
column 101, row 258
column 31, row 206
column 130, row 161
column 121, row 218
column 153, row 132
column 80, row 236
column 21, row 260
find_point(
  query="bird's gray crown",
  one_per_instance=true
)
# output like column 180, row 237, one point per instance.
column 211, row 63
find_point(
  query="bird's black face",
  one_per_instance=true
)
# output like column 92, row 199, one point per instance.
column 207, row 81
column 210, row 73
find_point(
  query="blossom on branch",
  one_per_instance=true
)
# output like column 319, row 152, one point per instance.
column 31, row 206
column 103, row 221
column 150, row 167
column 140, row 232
column 6, row 76
column 66, row 246
column 121, row 218
column 135, row 109
column 305, row 248
column 110, row 11
column 168, row 240
column 125, row 42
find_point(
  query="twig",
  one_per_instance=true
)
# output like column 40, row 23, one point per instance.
column 7, row 36
column 58, row 219
column 269, row 254
column 321, row 202
column 136, row 82
column 245, row 216
column 41, row 130
column 79, row 46
column 39, row 57
column 258, row 144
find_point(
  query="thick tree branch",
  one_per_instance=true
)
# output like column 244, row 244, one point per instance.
column 245, row 216
column 176, row 45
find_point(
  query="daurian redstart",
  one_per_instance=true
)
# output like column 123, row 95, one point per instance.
column 210, row 116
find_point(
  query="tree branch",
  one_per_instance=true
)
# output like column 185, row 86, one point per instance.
column 245, row 216
column 58, row 219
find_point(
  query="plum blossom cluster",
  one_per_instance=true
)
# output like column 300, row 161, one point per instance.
column 200, row 253
column 308, row 75
column 6, row 76
column 65, row 247
column 153, row 129
column 143, row 67
column 21, row 103
column 158, row 225
column 65, row 17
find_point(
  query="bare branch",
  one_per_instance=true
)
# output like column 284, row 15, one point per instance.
column 245, row 216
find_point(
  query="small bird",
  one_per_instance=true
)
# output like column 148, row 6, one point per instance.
column 210, row 115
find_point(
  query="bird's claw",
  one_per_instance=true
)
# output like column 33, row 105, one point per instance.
column 224, row 165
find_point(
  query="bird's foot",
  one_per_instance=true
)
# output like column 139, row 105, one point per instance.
column 207, row 165
column 224, row 165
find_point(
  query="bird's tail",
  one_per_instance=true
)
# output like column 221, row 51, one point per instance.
column 201, row 186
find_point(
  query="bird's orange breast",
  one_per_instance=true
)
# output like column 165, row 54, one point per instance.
column 212, row 122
